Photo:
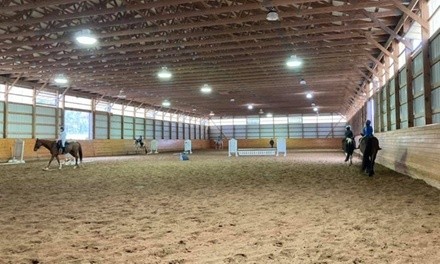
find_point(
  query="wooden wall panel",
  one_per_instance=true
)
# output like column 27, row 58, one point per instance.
column 6, row 146
column 114, row 147
column 413, row 151
column 291, row 143
column 96, row 148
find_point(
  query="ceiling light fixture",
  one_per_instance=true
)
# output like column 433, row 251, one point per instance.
column 261, row 112
column 211, row 113
column 268, row 115
column 315, row 109
column 293, row 61
column 85, row 37
column 250, row 106
column 166, row 103
column 60, row 79
column 206, row 89
column 121, row 94
column 164, row 73
column 302, row 82
column 272, row 15
column 309, row 95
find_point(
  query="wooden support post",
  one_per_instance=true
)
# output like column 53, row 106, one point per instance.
column 409, row 84
column 396, row 87
column 5, row 111
column 426, row 63
column 386, row 97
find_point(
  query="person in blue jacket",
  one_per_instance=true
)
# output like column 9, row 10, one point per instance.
column 368, row 129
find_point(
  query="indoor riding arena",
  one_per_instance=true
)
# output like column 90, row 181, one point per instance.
column 185, row 132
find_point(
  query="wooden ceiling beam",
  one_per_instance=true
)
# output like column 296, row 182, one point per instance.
column 412, row 15
column 387, row 29
column 208, row 41
column 226, row 51
column 101, row 10
column 35, row 5
column 260, row 55
column 152, row 30
column 379, row 46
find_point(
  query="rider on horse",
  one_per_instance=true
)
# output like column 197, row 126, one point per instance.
column 139, row 141
column 348, row 134
column 367, row 133
column 62, row 141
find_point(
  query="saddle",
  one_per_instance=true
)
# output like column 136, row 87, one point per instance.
column 60, row 148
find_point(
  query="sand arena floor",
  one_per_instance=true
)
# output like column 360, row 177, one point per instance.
column 308, row 207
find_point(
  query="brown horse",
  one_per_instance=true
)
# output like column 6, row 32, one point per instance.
column 369, row 148
column 73, row 148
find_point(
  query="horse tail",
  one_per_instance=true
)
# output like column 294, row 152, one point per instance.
column 80, row 152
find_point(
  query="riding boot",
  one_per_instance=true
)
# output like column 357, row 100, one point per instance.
column 346, row 159
column 63, row 150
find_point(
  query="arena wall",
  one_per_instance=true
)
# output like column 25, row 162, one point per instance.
column 291, row 143
column 115, row 147
column 97, row 148
column 412, row 151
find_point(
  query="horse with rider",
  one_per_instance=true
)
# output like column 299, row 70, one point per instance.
column 368, row 145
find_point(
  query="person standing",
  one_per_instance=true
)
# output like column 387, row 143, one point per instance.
column 62, row 140
column 271, row 142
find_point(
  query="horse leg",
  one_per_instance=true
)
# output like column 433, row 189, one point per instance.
column 48, row 165
column 59, row 163
column 76, row 161
column 364, row 162
column 371, row 171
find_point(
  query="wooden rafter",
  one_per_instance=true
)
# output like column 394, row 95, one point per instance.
column 228, row 44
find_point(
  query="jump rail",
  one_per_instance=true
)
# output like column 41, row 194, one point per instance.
column 257, row 152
